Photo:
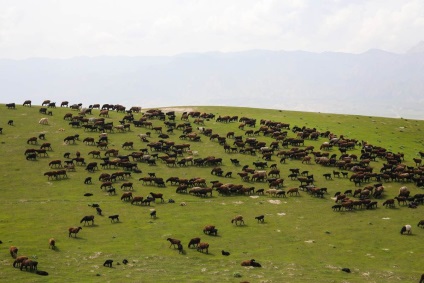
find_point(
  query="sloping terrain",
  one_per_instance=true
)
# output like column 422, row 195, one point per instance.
column 301, row 239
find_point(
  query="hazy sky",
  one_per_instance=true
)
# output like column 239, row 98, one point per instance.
column 68, row 28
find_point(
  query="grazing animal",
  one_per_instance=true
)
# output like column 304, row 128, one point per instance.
column 153, row 214
column 29, row 263
column 174, row 242
column 19, row 260
column 260, row 218
column 99, row 212
column 127, row 185
column 389, row 203
column 108, row 263
column 328, row 176
column 203, row 246
column 74, row 230
column 32, row 140
column 155, row 196
column 225, row 253
column 345, row 269
column 180, row 248
column 238, row 219
column 137, row 200
column 406, row 229
column 114, row 217
column 13, row 251
column 52, row 243
column 194, row 242
column 127, row 196
column 293, row 191
column 87, row 219
column 421, row 224
column 87, row 180
column 210, row 230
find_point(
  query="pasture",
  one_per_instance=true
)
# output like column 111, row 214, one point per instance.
column 300, row 240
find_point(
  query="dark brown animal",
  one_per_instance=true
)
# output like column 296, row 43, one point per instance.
column 174, row 242
column 389, row 203
column 136, row 200
column 293, row 191
column 157, row 195
column 87, row 219
column 194, row 242
column 260, row 218
column 19, row 260
column 29, row 263
column 127, row 196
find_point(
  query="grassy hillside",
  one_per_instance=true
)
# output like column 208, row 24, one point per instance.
column 301, row 240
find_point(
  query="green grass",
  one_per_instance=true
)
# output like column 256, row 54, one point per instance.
column 302, row 239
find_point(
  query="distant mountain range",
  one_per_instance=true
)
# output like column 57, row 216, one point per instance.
column 374, row 83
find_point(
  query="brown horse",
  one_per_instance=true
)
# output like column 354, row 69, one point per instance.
column 174, row 242
column 293, row 191
column 155, row 196
column 19, row 260
column 127, row 185
column 32, row 140
column 55, row 163
column 74, row 230
column 127, row 196
column 29, row 263
column 238, row 219
column 89, row 141
column 137, row 200
column 203, row 246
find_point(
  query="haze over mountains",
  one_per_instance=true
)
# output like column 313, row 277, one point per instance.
column 374, row 83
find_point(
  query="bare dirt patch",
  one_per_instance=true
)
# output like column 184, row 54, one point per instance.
column 177, row 109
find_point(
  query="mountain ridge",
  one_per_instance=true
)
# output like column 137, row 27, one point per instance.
column 375, row 82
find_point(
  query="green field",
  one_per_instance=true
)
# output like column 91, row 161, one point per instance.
column 301, row 240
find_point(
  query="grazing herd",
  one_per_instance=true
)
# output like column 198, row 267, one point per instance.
column 261, row 172
column 29, row 264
